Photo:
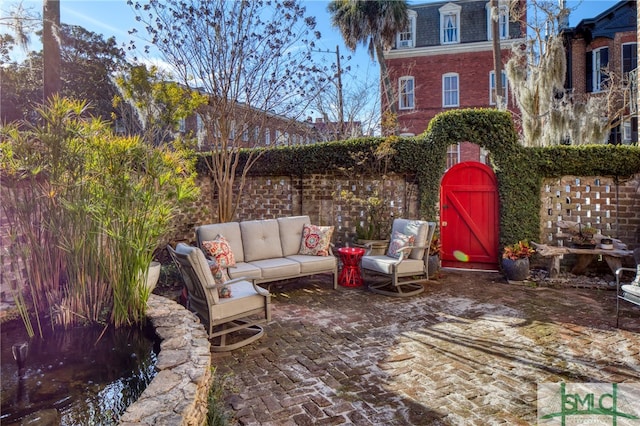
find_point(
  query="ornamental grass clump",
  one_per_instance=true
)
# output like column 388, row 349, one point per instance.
column 519, row 250
column 87, row 209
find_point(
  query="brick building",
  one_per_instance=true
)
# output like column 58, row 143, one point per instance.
column 253, row 128
column 445, row 61
column 606, row 42
column 326, row 131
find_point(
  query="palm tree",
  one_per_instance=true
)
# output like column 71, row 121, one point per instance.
column 373, row 23
column 51, row 47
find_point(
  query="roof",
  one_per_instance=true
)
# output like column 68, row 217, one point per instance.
column 472, row 29
column 619, row 18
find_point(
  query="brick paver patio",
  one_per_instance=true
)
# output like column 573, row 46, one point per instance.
column 470, row 350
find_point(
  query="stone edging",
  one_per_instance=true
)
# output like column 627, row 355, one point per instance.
column 178, row 393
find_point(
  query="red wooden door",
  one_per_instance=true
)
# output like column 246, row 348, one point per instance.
column 469, row 217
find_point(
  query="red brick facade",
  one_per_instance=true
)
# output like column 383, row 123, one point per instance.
column 612, row 29
column 428, row 71
column 427, row 59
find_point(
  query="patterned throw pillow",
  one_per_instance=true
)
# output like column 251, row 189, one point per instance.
column 399, row 241
column 220, row 277
column 220, row 250
column 316, row 240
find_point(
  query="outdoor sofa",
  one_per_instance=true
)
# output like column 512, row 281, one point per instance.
column 270, row 250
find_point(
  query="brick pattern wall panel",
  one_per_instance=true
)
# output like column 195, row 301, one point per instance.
column 268, row 198
column 592, row 201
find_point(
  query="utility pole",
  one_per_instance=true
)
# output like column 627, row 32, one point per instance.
column 339, row 88
column 340, row 100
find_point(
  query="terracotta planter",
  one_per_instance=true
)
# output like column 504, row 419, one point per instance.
column 516, row 270
column 378, row 247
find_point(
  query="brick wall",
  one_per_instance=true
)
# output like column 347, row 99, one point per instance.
column 613, row 209
column 318, row 196
column 596, row 201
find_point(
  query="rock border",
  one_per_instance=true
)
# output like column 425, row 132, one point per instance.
column 178, row 394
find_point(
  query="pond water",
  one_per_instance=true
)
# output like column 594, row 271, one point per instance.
column 75, row 377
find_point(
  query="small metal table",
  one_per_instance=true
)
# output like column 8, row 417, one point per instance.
column 350, row 275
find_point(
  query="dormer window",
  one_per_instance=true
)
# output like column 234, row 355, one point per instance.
column 503, row 21
column 450, row 23
column 407, row 39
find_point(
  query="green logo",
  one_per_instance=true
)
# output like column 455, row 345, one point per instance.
column 589, row 403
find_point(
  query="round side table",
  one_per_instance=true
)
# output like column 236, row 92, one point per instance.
column 350, row 275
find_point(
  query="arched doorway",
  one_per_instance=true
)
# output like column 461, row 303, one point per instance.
column 469, row 217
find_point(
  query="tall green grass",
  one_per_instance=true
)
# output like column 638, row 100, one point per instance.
column 87, row 209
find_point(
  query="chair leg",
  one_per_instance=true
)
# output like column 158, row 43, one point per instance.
column 396, row 288
column 256, row 331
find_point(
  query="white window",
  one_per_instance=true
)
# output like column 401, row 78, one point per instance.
column 267, row 136
column 245, row 133
column 503, row 21
column 407, row 39
column 199, row 123
column 449, row 23
column 626, row 132
column 484, row 156
column 600, row 61
column 279, row 137
column 492, row 87
column 200, row 130
column 407, row 92
column 182, row 125
column 232, row 130
column 450, row 91
column 453, row 155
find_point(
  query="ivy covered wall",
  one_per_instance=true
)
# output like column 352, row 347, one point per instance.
column 520, row 171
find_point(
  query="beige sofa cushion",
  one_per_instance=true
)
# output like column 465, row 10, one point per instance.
column 246, row 270
column 314, row 264
column 229, row 230
column 277, row 268
column 291, row 233
column 261, row 239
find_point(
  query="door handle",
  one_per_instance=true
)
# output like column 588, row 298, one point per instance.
column 444, row 223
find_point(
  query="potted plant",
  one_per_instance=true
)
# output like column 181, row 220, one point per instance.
column 375, row 227
column 434, row 256
column 583, row 237
column 515, row 260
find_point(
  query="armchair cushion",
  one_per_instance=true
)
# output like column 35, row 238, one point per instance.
column 399, row 241
column 631, row 292
column 316, row 240
column 385, row 265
